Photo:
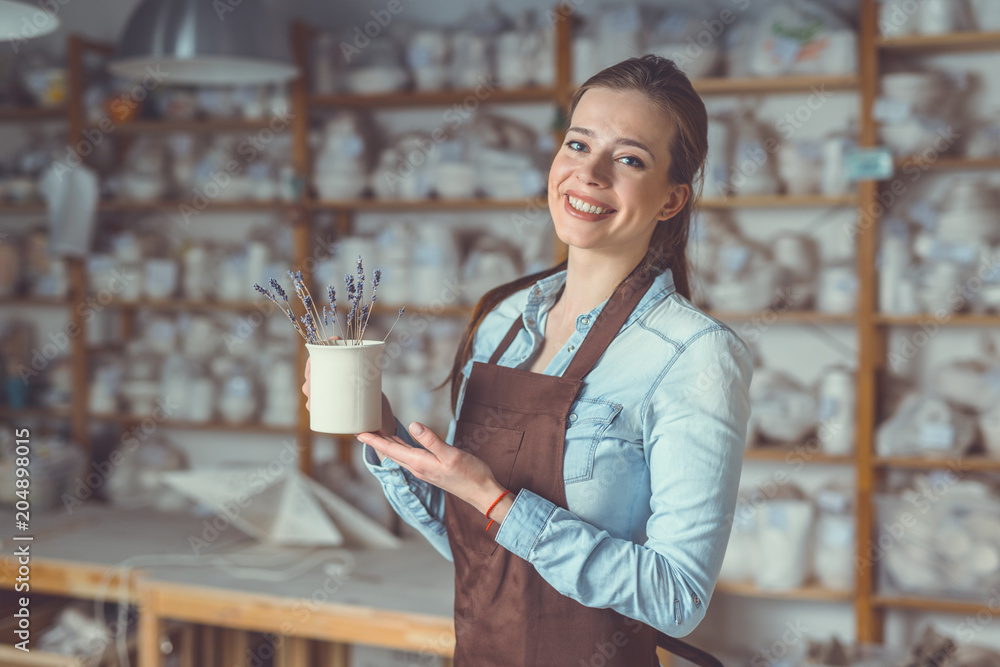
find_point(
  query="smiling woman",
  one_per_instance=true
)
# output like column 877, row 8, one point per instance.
column 585, row 488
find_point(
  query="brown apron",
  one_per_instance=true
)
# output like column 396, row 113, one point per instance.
column 506, row 614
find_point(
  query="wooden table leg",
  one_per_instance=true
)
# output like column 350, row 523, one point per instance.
column 234, row 648
column 149, row 628
column 185, row 645
column 333, row 654
column 208, row 653
column 293, row 652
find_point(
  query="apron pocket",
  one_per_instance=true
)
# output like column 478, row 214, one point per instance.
column 497, row 447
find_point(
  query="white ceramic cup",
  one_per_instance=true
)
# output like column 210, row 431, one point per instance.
column 345, row 387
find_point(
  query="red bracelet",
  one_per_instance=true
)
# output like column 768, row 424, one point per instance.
column 494, row 505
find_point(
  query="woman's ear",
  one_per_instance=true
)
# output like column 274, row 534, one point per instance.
column 678, row 198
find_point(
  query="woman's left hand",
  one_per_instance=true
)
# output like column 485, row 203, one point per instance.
column 448, row 468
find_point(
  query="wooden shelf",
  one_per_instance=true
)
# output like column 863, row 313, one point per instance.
column 34, row 302
column 973, row 463
column 202, row 125
column 433, row 98
column 778, row 84
column 122, row 205
column 189, row 304
column 947, row 163
column 924, row 604
column 34, row 413
column 809, row 592
column 197, row 426
column 779, row 201
column 787, row 317
column 794, row 455
column 953, row 320
column 33, row 208
column 31, row 114
column 414, row 205
column 971, row 40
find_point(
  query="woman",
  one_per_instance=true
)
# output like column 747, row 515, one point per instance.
column 586, row 502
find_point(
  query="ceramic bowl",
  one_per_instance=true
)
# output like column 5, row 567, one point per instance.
column 455, row 180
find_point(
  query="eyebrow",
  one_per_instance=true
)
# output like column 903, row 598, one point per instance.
column 620, row 140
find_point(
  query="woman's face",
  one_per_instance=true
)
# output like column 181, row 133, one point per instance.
column 608, row 184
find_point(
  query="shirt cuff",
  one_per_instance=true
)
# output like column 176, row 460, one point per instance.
column 524, row 523
column 389, row 472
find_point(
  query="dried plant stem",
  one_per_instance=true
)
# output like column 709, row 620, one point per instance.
column 319, row 320
column 394, row 324
column 364, row 327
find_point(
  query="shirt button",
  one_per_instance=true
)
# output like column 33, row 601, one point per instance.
column 537, row 291
column 571, row 348
column 531, row 322
column 585, row 319
column 572, row 417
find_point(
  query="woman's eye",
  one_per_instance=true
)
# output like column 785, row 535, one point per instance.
column 631, row 161
column 575, row 145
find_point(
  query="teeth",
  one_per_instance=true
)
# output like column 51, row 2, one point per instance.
column 584, row 207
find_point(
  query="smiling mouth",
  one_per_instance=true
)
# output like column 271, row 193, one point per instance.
column 584, row 207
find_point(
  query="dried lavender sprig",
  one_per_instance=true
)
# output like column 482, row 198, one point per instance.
column 332, row 294
column 311, row 328
column 361, row 288
column 286, row 312
column 376, row 279
column 394, row 323
column 303, row 293
column 276, row 286
column 363, row 318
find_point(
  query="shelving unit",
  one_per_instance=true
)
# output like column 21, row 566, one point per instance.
column 872, row 327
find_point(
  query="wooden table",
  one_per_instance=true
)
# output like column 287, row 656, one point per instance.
column 384, row 597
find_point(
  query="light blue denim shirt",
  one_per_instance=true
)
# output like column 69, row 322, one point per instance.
column 653, row 454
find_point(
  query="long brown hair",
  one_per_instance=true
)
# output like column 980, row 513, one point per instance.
column 670, row 89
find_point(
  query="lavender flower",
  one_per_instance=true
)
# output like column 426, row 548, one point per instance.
column 276, row 286
column 312, row 325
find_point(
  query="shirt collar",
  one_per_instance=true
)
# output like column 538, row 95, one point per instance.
column 543, row 294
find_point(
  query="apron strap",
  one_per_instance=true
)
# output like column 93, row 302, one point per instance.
column 505, row 343
column 609, row 321
column 686, row 651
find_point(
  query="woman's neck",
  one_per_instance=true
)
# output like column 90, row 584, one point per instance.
column 590, row 279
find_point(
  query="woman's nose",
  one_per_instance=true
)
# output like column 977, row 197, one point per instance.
column 593, row 172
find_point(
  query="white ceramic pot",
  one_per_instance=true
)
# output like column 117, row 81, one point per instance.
column 345, row 387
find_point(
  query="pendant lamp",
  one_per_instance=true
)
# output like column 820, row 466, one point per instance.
column 20, row 20
column 203, row 42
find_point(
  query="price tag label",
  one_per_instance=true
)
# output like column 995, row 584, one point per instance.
column 838, row 534
column 777, row 516
column 937, row 435
column 863, row 164
column 889, row 110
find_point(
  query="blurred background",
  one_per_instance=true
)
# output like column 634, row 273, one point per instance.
column 158, row 158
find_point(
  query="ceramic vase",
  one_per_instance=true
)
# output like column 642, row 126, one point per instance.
column 345, row 386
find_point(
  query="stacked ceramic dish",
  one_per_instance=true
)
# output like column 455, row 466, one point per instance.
column 944, row 257
column 783, row 539
column 918, row 111
column 949, row 545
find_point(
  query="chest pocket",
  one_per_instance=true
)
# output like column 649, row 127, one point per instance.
column 585, row 426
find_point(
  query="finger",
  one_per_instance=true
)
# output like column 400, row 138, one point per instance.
column 401, row 454
column 426, row 437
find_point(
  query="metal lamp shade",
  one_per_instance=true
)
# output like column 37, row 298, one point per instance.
column 19, row 20
column 201, row 42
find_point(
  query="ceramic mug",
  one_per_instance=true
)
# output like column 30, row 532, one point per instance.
column 345, row 386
